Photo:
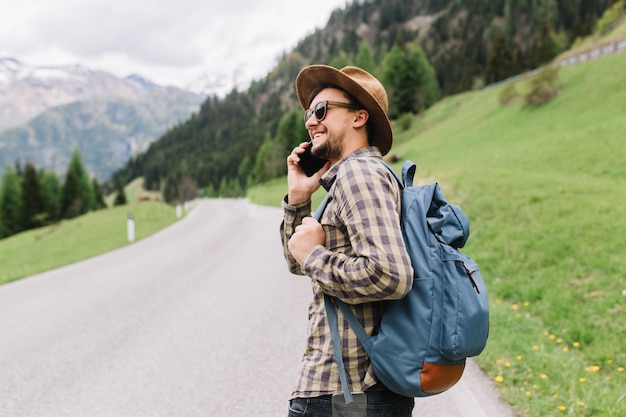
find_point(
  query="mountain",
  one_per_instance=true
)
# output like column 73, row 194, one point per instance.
column 246, row 135
column 48, row 111
column 213, row 84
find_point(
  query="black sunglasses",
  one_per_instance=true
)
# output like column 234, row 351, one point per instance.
column 321, row 109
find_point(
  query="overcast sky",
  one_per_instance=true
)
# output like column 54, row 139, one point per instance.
column 168, row 41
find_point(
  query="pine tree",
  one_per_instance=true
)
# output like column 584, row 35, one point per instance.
column 188, row 189
column 410, row 79
column 365, row 58
column 397, row 77
column 340, row 60
column 428, row 91
column 120, row 197
column 244, row 172
column 290, row 133
column 501, row 61
column 543, row 48
column 77, row 194
column 51, row 194
column 224, row 190
column 269, row 162
column 99, row 198
column 170, row 187
column 33, row 209
column 71, row 199
column 11, row 203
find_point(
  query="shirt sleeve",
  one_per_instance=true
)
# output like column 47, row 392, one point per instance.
column 293, row 215
column 364, row 258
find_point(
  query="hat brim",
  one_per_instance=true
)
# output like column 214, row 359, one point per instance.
column 314, row 76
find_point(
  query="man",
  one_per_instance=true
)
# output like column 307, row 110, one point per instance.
column 356, row 253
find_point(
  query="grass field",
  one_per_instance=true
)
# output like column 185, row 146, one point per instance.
column 73, row 240
column 544, row 188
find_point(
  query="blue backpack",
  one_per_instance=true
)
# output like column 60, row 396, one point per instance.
column 424, row 338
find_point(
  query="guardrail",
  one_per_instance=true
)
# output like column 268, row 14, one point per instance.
column 611, row 48
column 607, row 49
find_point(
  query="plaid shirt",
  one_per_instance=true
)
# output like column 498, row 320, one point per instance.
column 363, row 261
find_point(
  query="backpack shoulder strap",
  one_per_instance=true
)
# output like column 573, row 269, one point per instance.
column 408, row 172
column 322, row 207
column 331, row 316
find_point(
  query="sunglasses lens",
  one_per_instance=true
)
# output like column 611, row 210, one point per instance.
column 320, row 111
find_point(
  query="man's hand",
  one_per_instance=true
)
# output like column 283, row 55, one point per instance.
column 301, row 187
column 307, row 235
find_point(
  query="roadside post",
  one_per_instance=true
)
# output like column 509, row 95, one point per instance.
column 130, row 227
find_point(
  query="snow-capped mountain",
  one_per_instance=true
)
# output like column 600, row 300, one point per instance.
column 46, row 112
column 28, row 90
column 220, row 84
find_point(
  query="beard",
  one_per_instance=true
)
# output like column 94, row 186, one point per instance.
column 331, row 149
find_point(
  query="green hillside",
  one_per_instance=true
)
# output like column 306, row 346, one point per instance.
column 544, row 188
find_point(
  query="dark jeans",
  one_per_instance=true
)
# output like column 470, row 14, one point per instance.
column 380, row 403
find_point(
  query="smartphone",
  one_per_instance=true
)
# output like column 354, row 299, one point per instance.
column 310, row 163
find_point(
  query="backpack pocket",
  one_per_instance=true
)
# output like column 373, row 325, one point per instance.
column 465, row 315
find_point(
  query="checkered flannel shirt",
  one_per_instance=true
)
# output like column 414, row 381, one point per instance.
column 363, row 261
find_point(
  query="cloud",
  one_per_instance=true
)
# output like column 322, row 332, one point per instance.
column 168, row 41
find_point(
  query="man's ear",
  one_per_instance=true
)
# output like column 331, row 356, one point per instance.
column 360, row 118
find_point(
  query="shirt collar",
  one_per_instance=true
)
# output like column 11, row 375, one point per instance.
column 329, row 177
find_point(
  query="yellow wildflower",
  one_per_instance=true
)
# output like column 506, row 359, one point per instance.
column 581, row 380
column 499, row 378
column 543, row 376
column 594, row 368
column 562, row 408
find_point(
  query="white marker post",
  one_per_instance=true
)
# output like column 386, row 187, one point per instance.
column 130, row 227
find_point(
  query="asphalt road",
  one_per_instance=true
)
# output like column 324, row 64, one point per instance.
column 200, row 319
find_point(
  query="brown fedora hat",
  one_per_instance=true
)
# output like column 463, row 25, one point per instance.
column 362, row 85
